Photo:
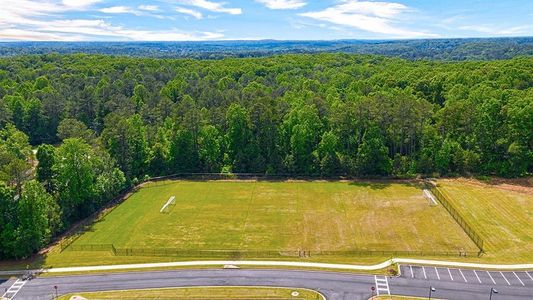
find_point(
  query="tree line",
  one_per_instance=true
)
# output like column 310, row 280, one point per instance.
column 438, row 49
column 100, row 124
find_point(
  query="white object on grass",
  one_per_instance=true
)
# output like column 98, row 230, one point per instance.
column 429, row 195
column 171, row 201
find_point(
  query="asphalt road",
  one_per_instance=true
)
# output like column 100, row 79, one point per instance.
column 333, row 285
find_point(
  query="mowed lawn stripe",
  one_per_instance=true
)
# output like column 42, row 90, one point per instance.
column 503, row 218
column 292, row 215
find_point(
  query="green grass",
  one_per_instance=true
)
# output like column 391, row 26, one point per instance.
column 502, row 217
column 293, row 215
column 204, row 293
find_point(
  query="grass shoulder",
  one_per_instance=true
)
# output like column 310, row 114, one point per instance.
column 236, row 293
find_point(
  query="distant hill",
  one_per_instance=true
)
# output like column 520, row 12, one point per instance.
column 435, row 49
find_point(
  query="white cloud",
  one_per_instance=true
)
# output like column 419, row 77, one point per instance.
column 173, row 35
column 212, row 6
column 14, row 34
column 283, row 4
column 377, row 17
column 79, row 3
column 21, row 11
column 119, row 10
column 148, row 7
column 190, row 12
column 143, row 11
column 44, row 21
column 80, row 29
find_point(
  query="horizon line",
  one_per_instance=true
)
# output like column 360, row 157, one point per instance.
column 265, row 40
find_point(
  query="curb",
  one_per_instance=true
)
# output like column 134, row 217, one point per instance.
column 375, row 267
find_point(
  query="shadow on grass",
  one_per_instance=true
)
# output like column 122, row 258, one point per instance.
column 383, row 184
column 372, row 185
column 375, row 184
column 37, row 261
column 526, row 182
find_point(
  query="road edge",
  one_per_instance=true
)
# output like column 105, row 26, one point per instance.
column 289, row 264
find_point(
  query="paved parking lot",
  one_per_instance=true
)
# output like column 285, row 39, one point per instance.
column 504, row 278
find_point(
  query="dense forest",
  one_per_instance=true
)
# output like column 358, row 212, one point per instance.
column 75, row 130
column 435, row 49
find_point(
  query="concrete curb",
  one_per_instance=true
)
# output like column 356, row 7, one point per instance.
column 288, row 264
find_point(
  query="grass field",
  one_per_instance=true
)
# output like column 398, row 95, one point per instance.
column 291, row 216
column 236, row 293
column 279, row 216
column 503, row 218
column 309, row 216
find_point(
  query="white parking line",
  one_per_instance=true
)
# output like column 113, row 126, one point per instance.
column 412, row 274
column 491, row 277
column 519, row 279
column 449, row 272
column 436, row 271
column 424, row 271
column 462, row 275
column 529, row 276
column 477, row 277
column 505, row 278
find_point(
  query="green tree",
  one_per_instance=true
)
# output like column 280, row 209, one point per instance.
column 34, row 121
column 372, row 156
column 5, row 114
column 430, row 145
column 140, row 97
column 138, row 146
column 159, row 161
column 71, row 128
column 210, row 153
column 41, row 83
column 327, row 154
column 15, row 157
column 125, row 139
column 238, row 136
column 449, row 158
column 46, row 160
column 8, row 215
column 174, row 90
column 39, row 219
column 16, row 104
column 75, row 173
column 183, row 154
column 302, row 129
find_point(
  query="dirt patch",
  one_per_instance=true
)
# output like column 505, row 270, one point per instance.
column 524, row 182
column 520, row 185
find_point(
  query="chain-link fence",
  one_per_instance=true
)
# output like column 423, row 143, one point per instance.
column 474, row 236
column 238, row 254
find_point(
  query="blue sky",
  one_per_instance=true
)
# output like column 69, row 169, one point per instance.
column 178, row 20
